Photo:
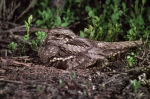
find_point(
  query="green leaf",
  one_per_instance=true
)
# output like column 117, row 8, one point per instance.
column 13, row 46
column 94, row 21
column 26, row 37
column 64, row 24
column 88, row 8
column 140, row 20
column 30, row 19
column 107, row 2
column 40, row 34
column 58, row 21
column 40, row 22
column 78, row 1
column 26, row 24
column 82, row 34
column 42, row 4
column 136, row 84
column 61, row 83
column 124, row 6
column 114, row 17
column 91, row 14
column 143, row 2
column 73, row 75
column 46, row 16
column 40, row 13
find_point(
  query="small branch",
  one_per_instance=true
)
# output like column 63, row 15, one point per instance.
column 2, row 4
column 27, row 9
column 12, row 12
column 11, row 81
column 136, row 69
column 12, row 62
column 23, row 29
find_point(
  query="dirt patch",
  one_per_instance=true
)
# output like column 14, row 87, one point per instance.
column 32, row 80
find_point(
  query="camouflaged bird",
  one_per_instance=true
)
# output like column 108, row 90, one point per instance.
column 63, row 49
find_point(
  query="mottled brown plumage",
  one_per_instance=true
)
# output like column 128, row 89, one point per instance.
column 63, row 49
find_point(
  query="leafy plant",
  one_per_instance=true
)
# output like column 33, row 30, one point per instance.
column 131, row 60
column 12, row 46
column 50, row 18
column 136, row 20
column 61, row 83
column 34, row 43
column 119, row 20
column 136, row 84
column 100, row 28
column 110, row 20
column 73, row 75
column 40, row 89
column 40, row 35
column 27, row 25
column 47, row 19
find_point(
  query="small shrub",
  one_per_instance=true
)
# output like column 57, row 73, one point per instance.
column 135, row 84
column 12, row 46
column 50, row 18
column 35, row 43
column 118, row 20
column 131, row 60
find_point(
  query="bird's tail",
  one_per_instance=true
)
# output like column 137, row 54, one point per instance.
column 112, row 48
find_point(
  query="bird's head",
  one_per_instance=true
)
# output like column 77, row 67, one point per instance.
column 59, row 36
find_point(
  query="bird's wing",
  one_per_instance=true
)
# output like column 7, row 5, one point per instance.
column 77, row 45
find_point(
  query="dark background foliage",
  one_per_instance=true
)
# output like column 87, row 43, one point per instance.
column 108, row 20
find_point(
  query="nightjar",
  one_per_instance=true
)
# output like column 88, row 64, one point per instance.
column 65, row 50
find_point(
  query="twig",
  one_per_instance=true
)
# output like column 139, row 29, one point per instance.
column 11, row 14
column 23, row 29
column 12, row 62
column 11, row 81
column 113, row 79
column 27, row 9
column 136, row 69
column 2, row 7
column 18, row 39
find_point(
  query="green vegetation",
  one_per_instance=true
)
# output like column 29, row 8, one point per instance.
column 112, row 20
column 12, row 46
column 118, row 20
column 39, row 35
column 73, row 75
column 34, row 43
column 131, row 59
column 106, row 20
column 135, row 84
column 26, row 37
column 49, row 18
column 40, row 89
column 61, row 83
